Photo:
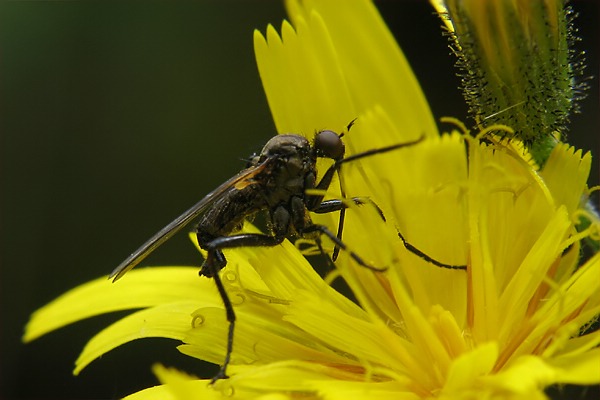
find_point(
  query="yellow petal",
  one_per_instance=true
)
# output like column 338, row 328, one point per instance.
column 140, row 288
column 171, row 320
column 261, row 336
column 374, row 67
column 469, row 367
column 343, row 390
column 308, row 95
column 579, row 369
column 371, row 342
column 526, row 375
column 176, row 385
column 514, row 301
column 565, row 173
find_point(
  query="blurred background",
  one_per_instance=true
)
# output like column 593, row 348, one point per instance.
column 118, row 116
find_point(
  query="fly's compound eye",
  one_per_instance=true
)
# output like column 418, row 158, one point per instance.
column 328, row 144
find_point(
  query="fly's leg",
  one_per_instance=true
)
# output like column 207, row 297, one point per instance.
column 314, row 202
column 338, row 205
column 425, row 257
column 323, row 229
column 215, row 261
column 329, row 206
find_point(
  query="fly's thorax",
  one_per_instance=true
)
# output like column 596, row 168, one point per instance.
column 288, row 144
column 281, row 147
column 294, row 167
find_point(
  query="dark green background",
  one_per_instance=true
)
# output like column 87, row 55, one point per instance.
column 117, row 116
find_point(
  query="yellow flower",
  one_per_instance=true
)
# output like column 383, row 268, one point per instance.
column 506, row 327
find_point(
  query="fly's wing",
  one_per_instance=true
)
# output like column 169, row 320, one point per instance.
column 238, row 182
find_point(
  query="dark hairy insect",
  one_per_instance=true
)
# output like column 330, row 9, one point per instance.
column 275, row 182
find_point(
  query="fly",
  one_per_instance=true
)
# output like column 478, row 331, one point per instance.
column 275, row 182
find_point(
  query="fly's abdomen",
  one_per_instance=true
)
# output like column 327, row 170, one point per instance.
column 228, row 213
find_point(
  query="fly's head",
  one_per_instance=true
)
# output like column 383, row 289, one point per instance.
column 328, row 144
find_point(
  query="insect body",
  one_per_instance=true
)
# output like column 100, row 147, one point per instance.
column 275, row 182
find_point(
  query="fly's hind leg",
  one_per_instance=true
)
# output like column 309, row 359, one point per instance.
column 215, row 261
column 323, row 230
column 339, row 205
column 427, row 258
